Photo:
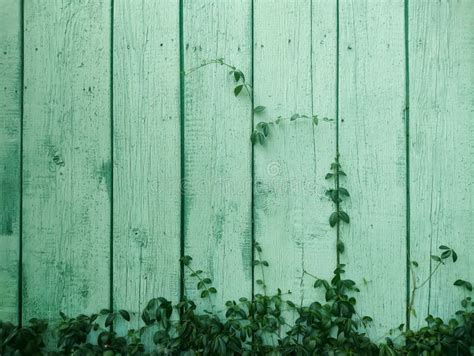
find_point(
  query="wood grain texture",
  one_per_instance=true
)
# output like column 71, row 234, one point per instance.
column 217, row 148
column 372, row 147
column 295, row 68
column 66, row 202
column 321, row 259
column 10, row 140
column 441, row 51
column 146, row 153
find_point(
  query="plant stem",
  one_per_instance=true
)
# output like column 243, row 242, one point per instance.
column 205, row 287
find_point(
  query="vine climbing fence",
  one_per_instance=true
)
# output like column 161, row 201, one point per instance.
column 125, row 144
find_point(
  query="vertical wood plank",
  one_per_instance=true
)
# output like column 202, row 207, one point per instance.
column 66, row 202
column 217, row 148
column 10, row 140
column 372, row 148
column 295, row 66
column 146, row 153
column 441, row 48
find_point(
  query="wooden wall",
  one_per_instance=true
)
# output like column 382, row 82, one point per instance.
column 114, row 163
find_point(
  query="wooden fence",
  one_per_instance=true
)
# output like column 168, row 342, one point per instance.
column 113, row 164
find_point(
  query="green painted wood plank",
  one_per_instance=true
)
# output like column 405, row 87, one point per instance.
column 66, row 202
column 441, row 48
column 217, row 148
column 10, row 140
column 321, row 256
column 372, row 147
column 295, row 72
column 146, row 153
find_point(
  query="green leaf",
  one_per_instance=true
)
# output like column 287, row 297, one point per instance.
column 315, row 120
column 265, row 263
column 443, row 247
column 204, row 294
column 236, row 75
column 213, row 290
column 436, row 258
column 344, row 216
column 342, row 173
column 259, row 109
column 333, row 219
column 414, row 263
column 253, row 137
column 446, row 254
column 329, row 175
column 343, row 192
column 294, row 117
column 455, row 256
column 238, row 89
column 125, row 314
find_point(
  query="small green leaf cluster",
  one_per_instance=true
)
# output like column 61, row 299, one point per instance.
column 26, row 340
column 204, row 284
column 445, row 254
column 262, row 129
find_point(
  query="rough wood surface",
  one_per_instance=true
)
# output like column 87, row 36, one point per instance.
column 146, row 212
column 217, row 148
column 372, row 148
column 291, row 210
column 441, row 51
column 66, row 201
column 10, row 140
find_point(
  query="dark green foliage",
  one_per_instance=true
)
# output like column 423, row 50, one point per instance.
column 248, row 327
column 27, row 340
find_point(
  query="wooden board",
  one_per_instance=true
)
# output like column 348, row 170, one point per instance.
column 146, row 212
column 372, row 147
column 66, row 193
column 217, row 148
column 295, row 67
column 10, row 141
column 441, row 51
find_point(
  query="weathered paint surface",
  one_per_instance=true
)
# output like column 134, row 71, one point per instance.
column 146, row 170
column 291, row 210
column 142, row 168
column 10, row 138
column 372, row 149
column 217, row 148
column 441, row 47
column 66, row 158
